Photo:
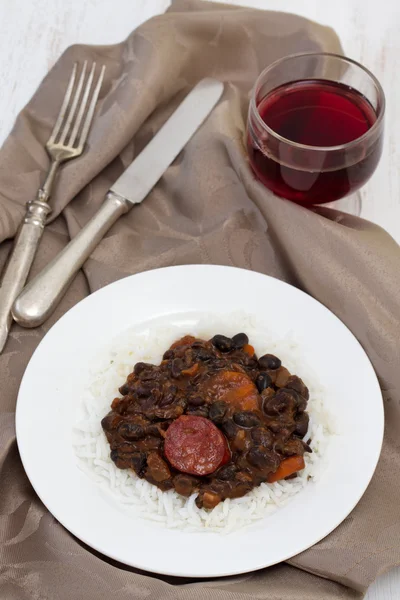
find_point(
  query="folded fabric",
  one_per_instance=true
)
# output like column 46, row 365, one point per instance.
column 208, row 208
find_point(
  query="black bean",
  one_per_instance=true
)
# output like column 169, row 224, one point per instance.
column 138, row 461
column 302, row 424
column 198, row 411
column 273, row 406
column 275, row 426
column 124, row 389
column 154, row 430
column 301, row 403
column 229, row 428
column 217, row 411
column 239, row 340
column 262, row 437
column 297, row 384
column 262, row 458
column 123, row 448
column 131, row 431
column 168, row 396
column 269, row 361
column 195, row 401
column 246, row 418
column 133, row 408
column 283, row 401
column 223, row 343
column 176, row 367
column 150, row 375
column 110, row 422
column 198, row 344
column 293, row 447
column 122, row 406
column 252, row 363
column 185, row 484
column 169, row 412
column 166, row 400
column 168, row 354
column 148, row 404
column 143, row 390
column 203, row 354
column 141, row 366
column 121, row 460
column 263, row 380
column 227, row 473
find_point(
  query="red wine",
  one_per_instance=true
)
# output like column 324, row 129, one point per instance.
column 321, row 114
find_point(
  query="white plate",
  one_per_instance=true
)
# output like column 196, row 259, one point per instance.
column 52, row 388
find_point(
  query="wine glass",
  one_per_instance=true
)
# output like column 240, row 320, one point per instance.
column 315, row 128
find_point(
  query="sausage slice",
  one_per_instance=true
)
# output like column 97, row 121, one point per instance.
column 195, row 445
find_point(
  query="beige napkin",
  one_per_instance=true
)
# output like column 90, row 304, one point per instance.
column 208, row 208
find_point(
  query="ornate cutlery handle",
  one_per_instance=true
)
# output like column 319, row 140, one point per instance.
column 20, row 260
column 41, row 296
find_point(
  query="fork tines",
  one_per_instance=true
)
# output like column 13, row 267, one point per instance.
column 72, row 125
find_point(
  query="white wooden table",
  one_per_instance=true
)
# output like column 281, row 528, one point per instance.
column 33, row 33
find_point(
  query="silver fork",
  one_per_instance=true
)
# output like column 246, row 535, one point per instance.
column 66, row 141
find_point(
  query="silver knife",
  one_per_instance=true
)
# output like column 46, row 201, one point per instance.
column 40, row 297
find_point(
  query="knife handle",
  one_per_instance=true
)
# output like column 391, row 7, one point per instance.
column 41, row 296
column 20, row 260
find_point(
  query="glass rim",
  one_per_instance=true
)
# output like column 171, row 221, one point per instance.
column 366, row 135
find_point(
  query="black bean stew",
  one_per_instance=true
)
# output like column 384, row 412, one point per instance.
column 212, row 418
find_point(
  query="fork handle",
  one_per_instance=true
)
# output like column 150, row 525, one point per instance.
column 41, row 296
column 20, row 260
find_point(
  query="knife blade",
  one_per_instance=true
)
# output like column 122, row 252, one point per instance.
column 40, row 297
column 141, row 176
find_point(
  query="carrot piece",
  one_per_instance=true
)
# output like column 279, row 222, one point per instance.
column 191, row 370
column 287, row 467
column 185, row 341
column 248, row 348
column 233, row 388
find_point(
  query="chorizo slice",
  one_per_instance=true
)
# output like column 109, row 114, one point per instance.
column 194, row 445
